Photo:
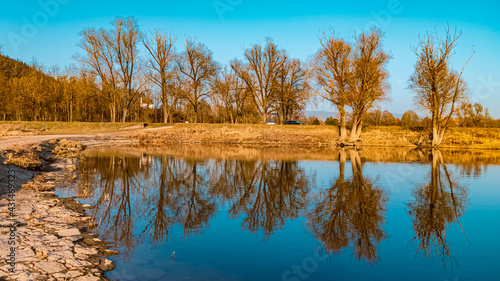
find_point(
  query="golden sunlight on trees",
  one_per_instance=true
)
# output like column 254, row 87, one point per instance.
column 352, row 75
column 161, row 55
column 196, row 69
column 123, row 74
column 438, row 88
column 259, row 73
column 112, row 55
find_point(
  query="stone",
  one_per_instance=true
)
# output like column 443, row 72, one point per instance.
column 50, row 267
column 86, row 251
column 106, row 264
column 74, row 263
column 28, row 276
column 68, row 275
column 69, row 232
column 60, row 255
column 73, row 238
column 87, row 277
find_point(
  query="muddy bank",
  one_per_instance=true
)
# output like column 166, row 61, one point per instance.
column 43, row 237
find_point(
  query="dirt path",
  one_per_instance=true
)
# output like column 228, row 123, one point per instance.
column 93, row 139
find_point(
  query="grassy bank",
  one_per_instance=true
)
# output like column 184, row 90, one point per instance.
column 266, row 135
column 479, row 138
column 63, row 128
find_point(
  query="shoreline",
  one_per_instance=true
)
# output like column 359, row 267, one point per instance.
column 49, row 238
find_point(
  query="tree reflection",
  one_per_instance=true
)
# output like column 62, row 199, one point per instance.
column 266, row 192
column 166, row 191
column 113, row 208
column 437, row 204
column 350, row 212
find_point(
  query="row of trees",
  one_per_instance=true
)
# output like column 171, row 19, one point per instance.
column 467, row 115
column 127, row 75
column 266, row 82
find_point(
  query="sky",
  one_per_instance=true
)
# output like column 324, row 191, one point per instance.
column 47, row 30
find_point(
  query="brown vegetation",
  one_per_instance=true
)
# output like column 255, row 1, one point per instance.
column 353, row 76
column 67, row 149
column 24, row 156
column 391, row 136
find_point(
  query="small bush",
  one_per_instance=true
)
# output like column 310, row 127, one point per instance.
column 24, row 156
column 67, row 149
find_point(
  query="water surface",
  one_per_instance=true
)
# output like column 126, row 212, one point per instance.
column 232, row 213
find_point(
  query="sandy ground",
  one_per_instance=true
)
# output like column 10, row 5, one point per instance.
column 87, row 139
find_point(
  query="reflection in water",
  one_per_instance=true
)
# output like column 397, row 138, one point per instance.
column 436, row 204
column 351, row 211
column 188, row 192
column 143, row 197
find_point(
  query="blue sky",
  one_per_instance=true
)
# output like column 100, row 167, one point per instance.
column 227, row 26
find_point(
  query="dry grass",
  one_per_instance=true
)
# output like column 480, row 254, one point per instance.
column 242, row 134
column 487, row 138
column 67, row 149
column 39, row 184
column 17, row 129
column 24, row 156
column 484, row 138
column 63, row 128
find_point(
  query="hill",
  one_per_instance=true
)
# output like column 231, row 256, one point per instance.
column 10, row 68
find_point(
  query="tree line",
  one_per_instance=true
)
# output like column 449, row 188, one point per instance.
column 123, row 74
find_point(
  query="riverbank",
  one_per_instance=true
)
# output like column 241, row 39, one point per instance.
column 243, row 134
column 267, row 135
column 48, row 238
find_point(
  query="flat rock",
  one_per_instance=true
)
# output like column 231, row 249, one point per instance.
column 67, row 275
column 85, row 251
column 74, row 263
column 69, row 232
column 50, row 267
column 87, row 278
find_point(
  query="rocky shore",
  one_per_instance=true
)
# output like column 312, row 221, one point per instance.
column 48, row 238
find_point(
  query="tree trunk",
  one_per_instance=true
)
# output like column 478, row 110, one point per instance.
column 437, row 133
column 165, row 113
column 357, row 125
column 125, row 114
column 342, row 126
column 71, row 111
column 113, row 112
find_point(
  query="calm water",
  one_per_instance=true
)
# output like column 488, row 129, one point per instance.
column 227, row 213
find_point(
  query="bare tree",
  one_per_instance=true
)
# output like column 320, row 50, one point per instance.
column 125, row 39
column 332, row 73
column 292, row 89
column 369, row 77
column 99, row 60
column 259, row 73
column 437, row 87
column 161, row 55
column 230, row 95
column 113, row 56
column 196, row 68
